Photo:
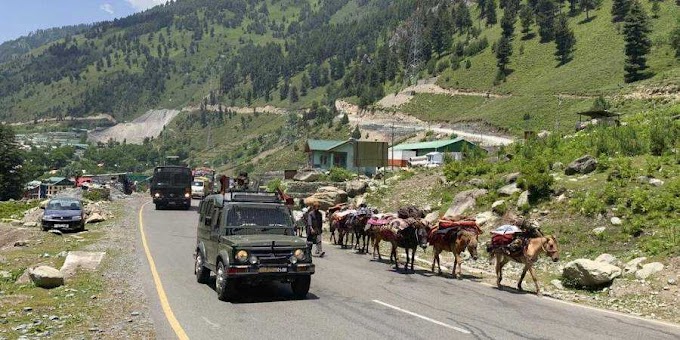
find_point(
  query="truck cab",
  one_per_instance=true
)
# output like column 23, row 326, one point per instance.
column 248, row 238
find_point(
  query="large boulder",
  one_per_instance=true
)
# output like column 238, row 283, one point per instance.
column 583, row 165
column 46, row 277
column 81, row 260
column 463, row 201
column 307, row 176
column 499, row 207
column 590, row 274
column 523, row 200
column 486, row 219
column 511, row 178
column 432, row 218
column 327, row 197
column 648, row 270
column 633, row 265
column 95, row 218
column 509, row 189
column 355, row 188
column 609, row 259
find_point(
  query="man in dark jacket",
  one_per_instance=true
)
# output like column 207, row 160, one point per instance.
column 314, row 229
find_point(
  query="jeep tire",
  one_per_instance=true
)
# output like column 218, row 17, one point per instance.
column 202, row 273
column 225, row 288
column 300, row 286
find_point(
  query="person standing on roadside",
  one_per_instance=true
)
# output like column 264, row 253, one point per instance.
column 314, row 229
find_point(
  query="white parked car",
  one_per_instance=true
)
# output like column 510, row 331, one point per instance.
column 197, row 189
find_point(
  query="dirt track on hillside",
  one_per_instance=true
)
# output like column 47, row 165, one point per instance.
column 148, row 125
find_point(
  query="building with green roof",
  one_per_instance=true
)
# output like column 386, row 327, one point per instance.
column 354, row 155
column 455, row 146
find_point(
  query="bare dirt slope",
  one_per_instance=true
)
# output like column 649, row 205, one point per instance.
column 148, row 125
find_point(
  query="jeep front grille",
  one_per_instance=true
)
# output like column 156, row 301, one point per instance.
column 276, row 256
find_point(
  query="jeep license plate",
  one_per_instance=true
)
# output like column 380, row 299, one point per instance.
column 273, row 269
column 61, row 225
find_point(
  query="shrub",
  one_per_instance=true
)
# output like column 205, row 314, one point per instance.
column 588, row 204
column 95, row 195
column 340, row 174
column 536, row 179
column 275, row 184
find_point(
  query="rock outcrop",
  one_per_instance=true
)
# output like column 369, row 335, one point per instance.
column 590, row 274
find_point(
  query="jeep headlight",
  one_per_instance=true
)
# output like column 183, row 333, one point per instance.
column 157, row 195
column 242, row 256
column 299, row 254
column 77, row 218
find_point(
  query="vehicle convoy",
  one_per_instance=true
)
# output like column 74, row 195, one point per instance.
column 247, row 238
column 171, row 186
column 63, row 213
column 198, row 187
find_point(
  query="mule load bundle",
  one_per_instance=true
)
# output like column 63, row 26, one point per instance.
column 454, row 235
column 407, row 233
column 338, row 222
column 508, row 239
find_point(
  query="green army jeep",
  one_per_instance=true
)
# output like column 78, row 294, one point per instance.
column 247, row 238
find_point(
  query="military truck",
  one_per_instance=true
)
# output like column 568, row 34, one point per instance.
column 171, row 186
column 248, row 238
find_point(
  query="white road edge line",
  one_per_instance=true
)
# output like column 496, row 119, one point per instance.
column 462, row 330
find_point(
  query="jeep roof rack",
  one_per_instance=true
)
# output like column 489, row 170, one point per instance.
column 249, row 196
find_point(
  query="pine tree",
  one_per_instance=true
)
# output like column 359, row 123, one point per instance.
column 283, row 91
column 356, row 134
column 526, row 17
column 589, row 5
column 293, row 95
column 564, row 40
column 11, row 170
column 481, row 5
column 545, row 18
column 619, row 10
column 304, row 84
column 463, row 19
column 637, row 43
column 508, row 23
column 344, row 120
column 491, row 18
column 600, row 104
column 655, row 9
column 503, row 53
column 675, row 40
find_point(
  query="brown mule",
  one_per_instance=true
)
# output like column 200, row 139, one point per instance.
column 465, row 239
column 535, row 246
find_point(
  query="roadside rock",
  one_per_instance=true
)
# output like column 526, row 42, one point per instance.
column 583, row 165
column 30, row 224
column 599, row 230
column 655, row 182
column 355, row 188
column 557, row 283
column 633, row 265
column 21, row 243
column 23, row 279
column 95, row 218
column 543, row 134
column 509, row 189
column 643, row 179
column 616, row 221
column 432, row 217
column 590, row 274
column 307, row 176
column 557, row 166
column 463, row 201
column 328, row 197
column 486, row 219
column 46, row 277
column 609, row 259
column 561, row 198
column 499, row 207
column 5, row 274
column 477, row 182
column 648, row 270
column 81, row 259
column 523, row 200
column 511, row 178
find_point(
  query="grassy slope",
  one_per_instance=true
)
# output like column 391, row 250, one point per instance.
column 537, row 80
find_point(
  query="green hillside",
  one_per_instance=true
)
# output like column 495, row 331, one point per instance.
column 541, row 94
column 177, row 54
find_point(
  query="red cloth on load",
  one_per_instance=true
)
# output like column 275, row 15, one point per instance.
column 443, row 224
column 501, row 240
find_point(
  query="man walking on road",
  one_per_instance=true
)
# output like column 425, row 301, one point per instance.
column 314, row 229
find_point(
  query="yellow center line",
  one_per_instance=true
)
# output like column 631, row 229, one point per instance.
column 176, row 327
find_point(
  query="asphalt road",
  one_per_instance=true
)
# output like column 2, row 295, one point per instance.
column 354, row 297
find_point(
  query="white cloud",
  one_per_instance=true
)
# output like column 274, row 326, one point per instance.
column 144, row 4
column 107, row 8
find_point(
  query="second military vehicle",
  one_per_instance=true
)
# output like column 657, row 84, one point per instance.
column 248, row 238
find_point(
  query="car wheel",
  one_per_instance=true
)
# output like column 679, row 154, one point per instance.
column 44, row 227
column 224, row 287
column 158, row 206
column 202, row 273
column 300, row 286
column 81, row 227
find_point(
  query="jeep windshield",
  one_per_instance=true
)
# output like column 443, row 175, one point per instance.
column 245, row 220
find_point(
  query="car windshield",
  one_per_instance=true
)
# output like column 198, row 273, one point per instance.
column 197, row 184
column 259, row 216
column 63, row 205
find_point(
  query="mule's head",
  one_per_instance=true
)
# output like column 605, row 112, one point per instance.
column 552, row 248
column 472, row 245
column 422, row 232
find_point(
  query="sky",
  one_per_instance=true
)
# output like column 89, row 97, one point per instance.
column 20, row 17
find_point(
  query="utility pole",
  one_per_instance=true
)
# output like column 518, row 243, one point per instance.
column 392, row 147
column 415, row 49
